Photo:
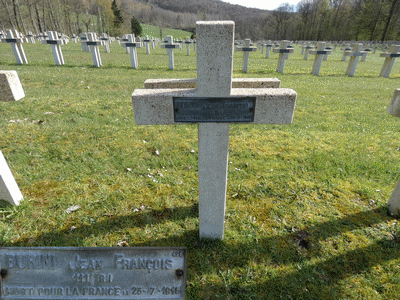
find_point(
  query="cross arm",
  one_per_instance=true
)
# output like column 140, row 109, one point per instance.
column 155, row 106
column 237, row 83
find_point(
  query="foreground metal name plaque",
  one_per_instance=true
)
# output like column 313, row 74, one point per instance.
column 203, row 109
column 92, row 273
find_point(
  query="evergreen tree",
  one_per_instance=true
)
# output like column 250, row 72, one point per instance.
column 118, row 20
column 136, row 28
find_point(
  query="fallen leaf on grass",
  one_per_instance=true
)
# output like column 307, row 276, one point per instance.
column 72, row 209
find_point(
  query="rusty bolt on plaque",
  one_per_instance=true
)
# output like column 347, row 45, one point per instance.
column 179, row 272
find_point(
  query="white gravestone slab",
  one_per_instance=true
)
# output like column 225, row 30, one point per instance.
column 214, row 83
column 55, row 47
column 9, row 190
column 390, row 59
column 16, row 44
column 10, row 86
column 132, row 45
column 246, row 48
column 283, row 54
column 170, row 46
column 319, row 54
column 394, row 200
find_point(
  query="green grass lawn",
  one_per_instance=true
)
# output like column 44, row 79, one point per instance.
column 306, row 203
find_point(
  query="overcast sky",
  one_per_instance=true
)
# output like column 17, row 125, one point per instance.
column 262, row 4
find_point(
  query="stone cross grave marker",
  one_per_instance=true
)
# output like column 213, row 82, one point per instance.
column 170, row 46
column 16, row 44
column 319, row 54
column 84, row 38
column 9, row 190
column 106, row 42
column 346, row 50
column 31, row 37
column 94, row 44
column 147, row 42
column 283, row 54
column 213, row 104
column 10, row 86
column 328, row 48
column 389, row 60
column 55, row 47
column 354, row 55
column 306, row 48
column 246, row 48
column 268, row 47
column 365, row 52
column 394, row 200
column 132, row 45
column 187, row 42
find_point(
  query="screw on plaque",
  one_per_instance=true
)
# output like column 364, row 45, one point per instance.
column 179, row 272
column 3, row 273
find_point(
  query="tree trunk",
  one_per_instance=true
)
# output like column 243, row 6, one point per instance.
column 392, row 9
column 5, row 4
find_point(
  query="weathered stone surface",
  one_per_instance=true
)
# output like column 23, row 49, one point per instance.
column 273, row 106
column 10, row 86
column 394, row 106
column 237, row 83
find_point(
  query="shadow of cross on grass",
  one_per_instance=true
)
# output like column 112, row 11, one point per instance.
column 316, row 275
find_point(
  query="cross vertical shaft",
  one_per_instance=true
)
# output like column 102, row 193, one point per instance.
column 214, row 79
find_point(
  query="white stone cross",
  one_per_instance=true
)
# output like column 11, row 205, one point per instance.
column 147, row 42
column 328, row 50
column 132, row 45
column 283, row 54
column 31, row 37
column 94, row 44
column 365, row 52
column 268, row 47
column 306, row 49
column 84, row 38
column 170, row 46
column 394, row 200
column 214, row 88
column 105, row 40
column 55, row 47
column 391, row 56
column 354, row 55
column 10, row 86
column 319, row 54
column 188, row 42
column 16, row 45
column 246, row 48
column 346, row 50
column 9, row 190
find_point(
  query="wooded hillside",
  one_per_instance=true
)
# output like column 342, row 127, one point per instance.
column 309, row 20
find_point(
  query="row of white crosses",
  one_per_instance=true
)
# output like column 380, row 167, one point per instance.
column 13, row 37
column 178, row 105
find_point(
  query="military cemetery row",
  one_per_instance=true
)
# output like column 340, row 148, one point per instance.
column 321, row 50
